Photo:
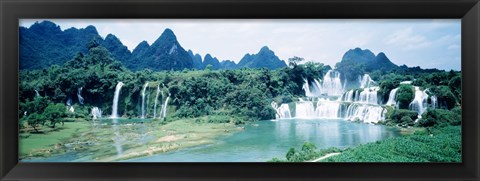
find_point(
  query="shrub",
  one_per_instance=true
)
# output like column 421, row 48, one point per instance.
column 401, row 115
column 405, row 95
column 440, row 117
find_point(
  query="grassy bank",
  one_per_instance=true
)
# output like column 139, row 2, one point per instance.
column 50, row 139
column 433, row 145
column 440, row 144
column 102, row 142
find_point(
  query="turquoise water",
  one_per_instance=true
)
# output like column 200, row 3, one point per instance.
column 258, row 142
column 267, row 139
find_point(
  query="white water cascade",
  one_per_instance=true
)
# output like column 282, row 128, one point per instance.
column 143, row 99
column 367, row 96
column 419, row 103
column 79, row 95
column 366, row 81
column 283, row 112
column 164, row 108
column 332, row 85
column 37, row 94
column 115, row 99
column 315, row 90
column 96, row 113
column 327, row 109
column 434, row 101
column 304, row 109
column 392, row 98
column 156, row 101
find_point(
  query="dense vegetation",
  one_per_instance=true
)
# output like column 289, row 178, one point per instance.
column 245, row 93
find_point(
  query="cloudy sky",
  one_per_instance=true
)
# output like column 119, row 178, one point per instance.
column 424, row 43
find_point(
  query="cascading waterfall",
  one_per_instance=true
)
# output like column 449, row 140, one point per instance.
column 37, row 94
column 419, row 103
column 156, row 100
column 366, row 81
column 315, row 90
column 164, row 108
column 143, row 99
column 96, row 113
column 283, row 112
column 365, row 113
column 327, row 109
column 369, row 95
column 304, row 109
column 434, row 100
column 332, row 84
column 115, row 99
column 79, row 95
column 392, row 97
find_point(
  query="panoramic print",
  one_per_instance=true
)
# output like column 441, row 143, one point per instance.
column 180, row 90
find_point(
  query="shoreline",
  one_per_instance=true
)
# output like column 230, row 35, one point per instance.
column 172, row 136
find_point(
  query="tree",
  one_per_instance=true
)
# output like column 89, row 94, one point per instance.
column 405, row 95
column 55, row 113
column 292, row 62
column 34, row 120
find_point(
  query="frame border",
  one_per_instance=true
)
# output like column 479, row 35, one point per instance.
column 466, row 10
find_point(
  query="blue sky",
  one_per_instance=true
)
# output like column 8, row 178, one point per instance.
column 424, row 43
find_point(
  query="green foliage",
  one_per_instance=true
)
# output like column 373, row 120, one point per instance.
column 55, row 113
column 405, row 95
column 446, row 99
column 307, row 152
column 294, row 61
column 438, row 145
column 441, row 117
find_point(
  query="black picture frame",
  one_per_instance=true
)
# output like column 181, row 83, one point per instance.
column 466, row 10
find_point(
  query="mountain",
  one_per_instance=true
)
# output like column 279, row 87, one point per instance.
column 265, row 58
column 45, row 44
column 116, row 48
column 209, row 60
column 358, row 55
column 381, row 62
column 197, row 60
column 164, row 54
column 228, row 65
column 357, row 62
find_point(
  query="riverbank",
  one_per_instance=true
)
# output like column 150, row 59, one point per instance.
column 105, row 142
column 432, row 145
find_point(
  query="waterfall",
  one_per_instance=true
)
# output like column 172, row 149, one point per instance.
column 366, row 81
column 164, row 108
column 96, row 113
column 115, row 99
column 327, row 109
column 419, row 102
column 283, row 112
column 312, row 91
column 392, row 98
column 332, row 85
column 143, row 99
column 365, row 113
column 79, row 95
column 369, row 95
column 37, row 94
column 304, row 110
column 156, row 100
column 69, row 101
column 434, row 101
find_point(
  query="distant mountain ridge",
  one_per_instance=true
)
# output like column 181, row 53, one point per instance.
column 357, row 61
column 44, row 44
